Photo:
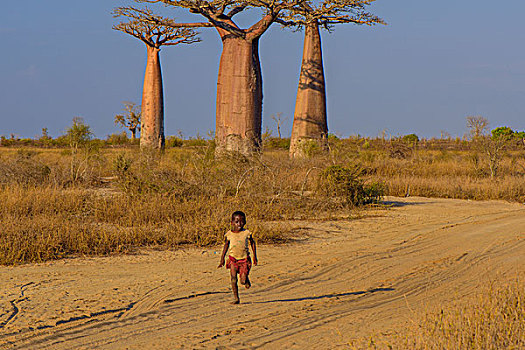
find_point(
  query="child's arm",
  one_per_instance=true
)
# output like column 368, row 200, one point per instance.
column 254, row 250
column 224, row 250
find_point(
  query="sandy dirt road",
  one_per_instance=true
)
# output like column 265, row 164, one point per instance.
column 345, row 280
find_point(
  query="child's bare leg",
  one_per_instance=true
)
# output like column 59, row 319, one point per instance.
column 235, row 289
column 245, row 281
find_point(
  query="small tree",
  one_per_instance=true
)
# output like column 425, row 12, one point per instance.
column 278, row 119
column 503, row 132
column 493, row 146
column 477, row 126
column 130, row 119
column 411, row 138
column 78, row 134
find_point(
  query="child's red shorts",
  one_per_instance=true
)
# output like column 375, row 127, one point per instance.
column 242, row 266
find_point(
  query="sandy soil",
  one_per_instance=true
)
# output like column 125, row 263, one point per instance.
column 344, row 280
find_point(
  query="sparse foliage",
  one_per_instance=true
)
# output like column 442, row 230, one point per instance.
column 279, row 120
column 347, row 183
column 411, row 138
column 328, row 13
column 130, row 119
column 79, row 133
column 153, row 30
column 477, row 126
column 503, row 132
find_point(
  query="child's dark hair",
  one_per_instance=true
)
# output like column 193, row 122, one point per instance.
column 239, row 213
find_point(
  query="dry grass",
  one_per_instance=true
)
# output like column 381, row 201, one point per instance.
column 462, row 172
column 493, row 320
column 56, row 203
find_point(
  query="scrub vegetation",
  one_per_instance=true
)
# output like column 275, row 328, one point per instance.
column 93, row 198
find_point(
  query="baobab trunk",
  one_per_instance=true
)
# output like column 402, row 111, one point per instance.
column 152, row 114
column 239, row 97
column 309, row 124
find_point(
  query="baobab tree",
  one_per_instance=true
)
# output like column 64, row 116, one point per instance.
column 130, row 119
column 477, row 126
column 310, row 120
column 155, row 32
column 239, row 84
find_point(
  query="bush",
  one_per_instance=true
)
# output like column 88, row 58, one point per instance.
column 198, row 141
column 173, row 141
column 277, row 143
column 345, row 183
column 502, row 133
column 411, row 138
column 117, row 139
column 23, row 170
column 520, row 135
column 79, row 133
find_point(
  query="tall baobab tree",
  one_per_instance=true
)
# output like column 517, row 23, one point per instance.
column 130, row 119
column 239, row 84
column 310, row 121
column 155, row 32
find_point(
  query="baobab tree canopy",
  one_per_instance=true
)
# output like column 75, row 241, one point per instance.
column 155, row 31
column 329, row 12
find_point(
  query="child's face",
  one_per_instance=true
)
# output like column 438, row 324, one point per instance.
column 238, row 223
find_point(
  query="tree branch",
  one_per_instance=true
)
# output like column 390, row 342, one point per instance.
column 152, row 29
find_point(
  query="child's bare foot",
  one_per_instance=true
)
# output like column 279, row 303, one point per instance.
column 247, row 285
column 236, row 301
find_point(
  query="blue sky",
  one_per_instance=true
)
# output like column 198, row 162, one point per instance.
column 435, row 63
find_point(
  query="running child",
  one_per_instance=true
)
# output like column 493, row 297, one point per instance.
column 236, row 242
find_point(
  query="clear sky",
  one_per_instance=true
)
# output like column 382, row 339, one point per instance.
column 435, row 63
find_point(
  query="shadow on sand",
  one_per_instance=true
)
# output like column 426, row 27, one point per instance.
column 327, row 296
column 396, row 204
column 193, row 296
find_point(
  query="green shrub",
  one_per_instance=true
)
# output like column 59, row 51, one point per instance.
column 79, row 133
column 310, row 147
column 173, row 141
column 277, row 143
column 411, row 138
column 346, row 183
column 502, row 133
column 117, row 139
column 196, row 141
column 520, row 134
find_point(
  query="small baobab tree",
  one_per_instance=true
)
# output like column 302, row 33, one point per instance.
column 477, row 125
column 130, row 119
column 155, row 32
column 310, row 120
column 239, row 83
